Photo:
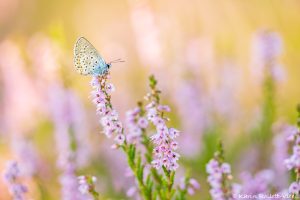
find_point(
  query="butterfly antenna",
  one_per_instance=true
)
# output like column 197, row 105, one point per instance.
column 117, row 61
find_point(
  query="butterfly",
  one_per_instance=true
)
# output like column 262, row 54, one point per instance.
column 88, row 61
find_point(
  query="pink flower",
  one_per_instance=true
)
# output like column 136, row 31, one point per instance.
column 294, row 188
column 156, row 164
column 174, row 145
column 226, row 168
column 158, row 122
column 173, row 133
column 189, row 185
column 194, row 183
column 211, row 166
column 120, row 139
column 131, row 191
column 152, row 113
column 172, row 165
column 163, row 108
column 110, row 88
column 86, row 184
column 294, row 160
column 142, row 122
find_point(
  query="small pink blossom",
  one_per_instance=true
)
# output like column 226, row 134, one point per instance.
column 294, row 160
column 212, row 166
column 131, row 191
column 174, row 145
column 189, row 185
column 120, row 139
column 157, row 164
column 158, row 122
column 86, row 184
column 110, row 88
column 226, row 168
column 163, row 108
column 173, row 133
column 294, row 188
column 152, row 113
column 142, row 122
column 194, row 183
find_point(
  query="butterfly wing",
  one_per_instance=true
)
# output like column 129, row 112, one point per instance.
column 87, row 60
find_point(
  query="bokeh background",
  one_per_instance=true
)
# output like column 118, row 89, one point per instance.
column 204, row 54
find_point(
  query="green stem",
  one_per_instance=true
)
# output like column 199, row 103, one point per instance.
column 95, row 194
column 41, row 188
column 137, row 169
column 130, row 151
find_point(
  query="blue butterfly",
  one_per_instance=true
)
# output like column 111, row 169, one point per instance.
column 88, row 61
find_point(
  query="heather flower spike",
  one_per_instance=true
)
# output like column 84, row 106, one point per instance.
column 164, row 138
column 109, row 118
column 12, row 179
column 219, row 177
column 151, row 183
column 293, row 162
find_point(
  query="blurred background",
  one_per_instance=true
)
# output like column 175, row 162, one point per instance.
column 228, row 69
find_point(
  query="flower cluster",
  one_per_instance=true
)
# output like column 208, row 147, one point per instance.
column 219, row 178
column 109, row 117
column 70, row 138
column 135, row 123
column 87, row 186
column 69, row 184
column 294, row 188
column 281, row 152
column 293, row 162
column 257, row 184
column 189, row 185
column 267, row 47
column 164, row 138
column 194, row 116
column 11, row 176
